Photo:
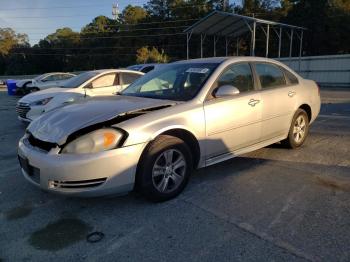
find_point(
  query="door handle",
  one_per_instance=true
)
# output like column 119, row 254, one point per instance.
column 291, row 93
column 253, row 102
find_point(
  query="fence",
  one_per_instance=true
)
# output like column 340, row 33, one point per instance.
column 331, row 70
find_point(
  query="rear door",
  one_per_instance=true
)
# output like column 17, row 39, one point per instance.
column 233, row 122
column 278, row 97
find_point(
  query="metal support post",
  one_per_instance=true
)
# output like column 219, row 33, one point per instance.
column 267, row 40
column 291, row 43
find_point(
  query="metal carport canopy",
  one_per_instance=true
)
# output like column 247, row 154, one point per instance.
column 223, row 24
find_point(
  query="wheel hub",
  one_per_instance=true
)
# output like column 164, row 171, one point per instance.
column 169, row 170
column 299, row 129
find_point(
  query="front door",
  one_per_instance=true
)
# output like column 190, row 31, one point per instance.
column 233, row 122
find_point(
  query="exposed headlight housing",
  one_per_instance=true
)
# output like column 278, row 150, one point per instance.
column 97, row 141
column 41, row 102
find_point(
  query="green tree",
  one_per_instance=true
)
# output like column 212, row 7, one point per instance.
column 327, row 23
column 101, row 24
column 133, row 14
column 63, row 37
column 10, row 39
column 147, row 55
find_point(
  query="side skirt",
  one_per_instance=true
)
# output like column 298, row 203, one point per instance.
column 241, row 151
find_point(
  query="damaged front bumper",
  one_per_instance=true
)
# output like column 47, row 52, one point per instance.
column 86, row 175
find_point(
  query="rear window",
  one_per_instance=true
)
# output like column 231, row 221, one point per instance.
column 292, row 79
column 270, row 75
column 128, row 78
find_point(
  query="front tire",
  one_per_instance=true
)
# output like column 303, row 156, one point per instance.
column 298, row 131
column 164, row 169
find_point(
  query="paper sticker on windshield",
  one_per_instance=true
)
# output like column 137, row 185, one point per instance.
column 197, row 70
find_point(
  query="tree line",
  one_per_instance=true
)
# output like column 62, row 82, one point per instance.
column 154, row 33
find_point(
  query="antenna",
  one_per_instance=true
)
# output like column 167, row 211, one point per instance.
column 115, row 11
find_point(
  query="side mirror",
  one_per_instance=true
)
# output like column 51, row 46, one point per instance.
column 226, row 90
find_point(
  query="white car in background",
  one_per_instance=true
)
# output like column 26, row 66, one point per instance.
column 49, row 80
column 41, row 82
column 88, row 84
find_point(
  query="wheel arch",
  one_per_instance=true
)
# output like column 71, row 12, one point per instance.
column 189, row 139
column 181, row 133
column 187, row 136
column 307, row 109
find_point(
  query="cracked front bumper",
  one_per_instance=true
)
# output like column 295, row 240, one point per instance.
column 104, row 173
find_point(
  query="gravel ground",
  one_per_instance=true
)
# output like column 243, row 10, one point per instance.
column 273, row 204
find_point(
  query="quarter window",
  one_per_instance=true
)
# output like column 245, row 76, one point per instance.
column 270, row 75
column 239, row 76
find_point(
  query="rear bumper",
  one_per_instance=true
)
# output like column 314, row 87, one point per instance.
column 86, row 175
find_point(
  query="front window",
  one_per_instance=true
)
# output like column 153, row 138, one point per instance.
column 78, row 80
column 179, row 81
column 104, row 81
column 239, row 76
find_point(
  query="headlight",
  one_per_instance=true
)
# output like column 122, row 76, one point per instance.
column 96, row 141
column 41, row 102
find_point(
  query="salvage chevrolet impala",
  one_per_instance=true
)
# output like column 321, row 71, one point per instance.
column 186, row 115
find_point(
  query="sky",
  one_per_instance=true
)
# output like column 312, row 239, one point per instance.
column 38, row 18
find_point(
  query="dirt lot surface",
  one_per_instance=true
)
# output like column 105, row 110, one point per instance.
column 273, row 204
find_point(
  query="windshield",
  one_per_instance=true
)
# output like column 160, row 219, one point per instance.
column 179, row 81
column 40, row 77
column 76, row 81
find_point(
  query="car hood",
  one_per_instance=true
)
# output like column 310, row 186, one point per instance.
column 57, row 125
column 39, row 95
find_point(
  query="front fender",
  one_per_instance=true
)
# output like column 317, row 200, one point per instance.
column 147, row 127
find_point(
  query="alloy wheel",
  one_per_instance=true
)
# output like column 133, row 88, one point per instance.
column 169, row 170
column 299, row 128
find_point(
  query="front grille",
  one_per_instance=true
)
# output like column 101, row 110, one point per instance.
column 22, row 109
column 77, row 184
column 32, row 172
column 46, row 146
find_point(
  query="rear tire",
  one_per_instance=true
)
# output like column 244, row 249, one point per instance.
column 164, row 169
column 298, row 130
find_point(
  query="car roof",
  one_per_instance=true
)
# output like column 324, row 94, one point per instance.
column 100, row 71
column 219, row 60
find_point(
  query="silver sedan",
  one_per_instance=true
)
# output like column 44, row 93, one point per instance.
column 186, row 115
